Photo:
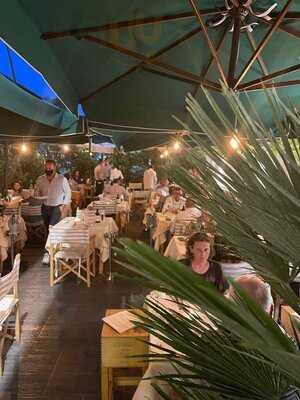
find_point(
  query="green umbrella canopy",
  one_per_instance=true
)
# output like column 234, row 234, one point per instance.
column 132, row 62
column 24, row 114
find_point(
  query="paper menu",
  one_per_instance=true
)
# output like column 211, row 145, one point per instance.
column 121, row 321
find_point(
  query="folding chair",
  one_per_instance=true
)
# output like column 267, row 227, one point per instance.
column 135, row 186
column 180, row 228
column 9, row 305
column 34, row 220
column 71, row 251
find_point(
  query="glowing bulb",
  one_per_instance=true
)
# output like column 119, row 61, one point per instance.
column 66, row 148
column 234, row 143
column 176, row 145
column 91, row 153
column 24, row 148
column 166, row 153
column 162, row 156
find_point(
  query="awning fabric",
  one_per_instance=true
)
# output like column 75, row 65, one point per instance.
column 109, row 67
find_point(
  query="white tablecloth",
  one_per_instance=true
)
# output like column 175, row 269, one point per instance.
column 97, row 230
column 177, row 248
column 163, row 225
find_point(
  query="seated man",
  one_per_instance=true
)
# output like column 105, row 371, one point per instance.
column 116, row 189
column 163, row 187
column 175, row 202
column 190, row 212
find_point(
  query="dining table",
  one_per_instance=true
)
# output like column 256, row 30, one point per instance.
column 177, row 248
column 100, row 231
column 163, row 224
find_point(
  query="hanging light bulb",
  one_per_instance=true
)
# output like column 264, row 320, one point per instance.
column 24, row 148
column 176, row 145
column 166, row 153
column 66, row 148
column 91, row 153
column 234, row 143
column 162, row 156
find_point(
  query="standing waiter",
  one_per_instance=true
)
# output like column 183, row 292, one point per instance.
column 56, row 188
column 100, row 174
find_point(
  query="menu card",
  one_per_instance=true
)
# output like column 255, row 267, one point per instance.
column 121, row 321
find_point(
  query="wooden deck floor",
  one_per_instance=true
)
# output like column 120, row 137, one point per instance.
column 58, row 357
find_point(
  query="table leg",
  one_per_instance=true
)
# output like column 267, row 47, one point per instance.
column 106, row 384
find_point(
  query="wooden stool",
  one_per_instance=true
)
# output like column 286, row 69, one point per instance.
column 116, row 349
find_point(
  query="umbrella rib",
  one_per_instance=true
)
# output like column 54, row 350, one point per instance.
column 263, row 43
column 106, row 85
column 156, row 55
column 211, row 61
column 211, row 46
column 274, row 85
column 284, row 28
column 205, row 82
column 127, row 24
column 266, row 78
column 260, row 59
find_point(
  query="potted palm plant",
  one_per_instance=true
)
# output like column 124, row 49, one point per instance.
column 254, row 195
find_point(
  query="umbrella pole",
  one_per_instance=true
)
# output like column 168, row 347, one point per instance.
column 5, row 175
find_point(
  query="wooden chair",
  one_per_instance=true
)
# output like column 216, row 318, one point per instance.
column 135, row 186
column 71, row 251
column 34, row 220
column 9, row 305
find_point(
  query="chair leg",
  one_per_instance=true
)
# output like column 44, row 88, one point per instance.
column 18, row 324
column 51, row 268
column 2, row 341
column 88, row 271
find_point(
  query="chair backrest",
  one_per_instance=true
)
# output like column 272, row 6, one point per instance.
column 70, row 236
column 31, row 214
column 135, row 185
column 109, row 207
column 235, row 270
column 11, row 211
column 9, row 282
column 180, row 228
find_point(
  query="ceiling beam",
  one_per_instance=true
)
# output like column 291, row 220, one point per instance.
column 157, row 54
column 264, row 42
column 144, row 59
column 269, row 77
column 274, row 85
column 127, row 24
column 211, row 46
column 234, row 49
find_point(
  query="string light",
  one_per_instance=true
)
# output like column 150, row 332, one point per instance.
column 91, row 153
column 24, row 148
column 166, row 153
column 176, row 145
column 66, row 148
column 162, row 156
column 234, row 143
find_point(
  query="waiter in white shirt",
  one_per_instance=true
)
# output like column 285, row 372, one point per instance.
column 56, row 188
column 150, row 179
column 100, row 174
column 116, row 173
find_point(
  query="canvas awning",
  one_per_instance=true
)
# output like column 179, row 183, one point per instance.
column 133, row 62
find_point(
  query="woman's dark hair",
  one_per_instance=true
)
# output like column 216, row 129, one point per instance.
column 199, row 237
